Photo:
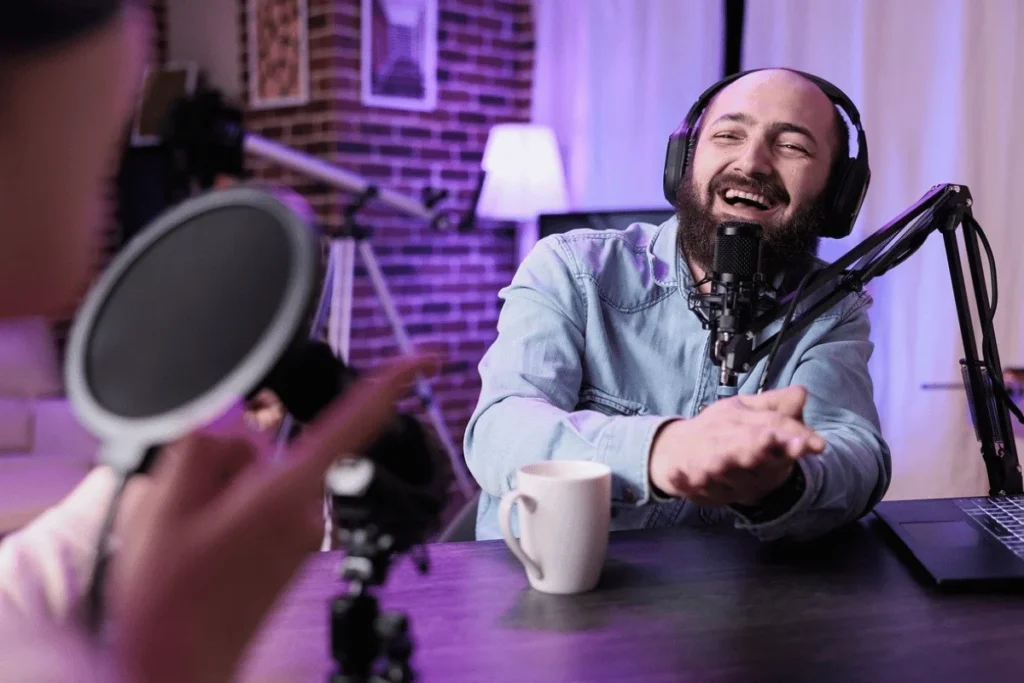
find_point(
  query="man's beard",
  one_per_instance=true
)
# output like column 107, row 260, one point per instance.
column 784, row 245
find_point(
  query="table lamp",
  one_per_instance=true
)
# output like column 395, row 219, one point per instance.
column 523, row 178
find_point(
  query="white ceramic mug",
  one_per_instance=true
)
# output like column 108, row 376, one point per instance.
column 564, row 513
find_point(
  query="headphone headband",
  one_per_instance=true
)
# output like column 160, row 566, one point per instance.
column 850, row 177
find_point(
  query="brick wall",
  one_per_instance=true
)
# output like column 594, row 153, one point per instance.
column 444, row 284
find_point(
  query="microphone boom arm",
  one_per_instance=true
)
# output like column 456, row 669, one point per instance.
column 939, row 197
column 944, row 208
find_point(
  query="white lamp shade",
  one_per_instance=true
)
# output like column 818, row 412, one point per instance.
column 524, row 174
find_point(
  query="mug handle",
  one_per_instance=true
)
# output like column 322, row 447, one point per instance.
column 504, row 520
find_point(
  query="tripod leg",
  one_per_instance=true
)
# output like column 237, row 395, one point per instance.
column 355, row 642
column 333, row 312
column 423, row 389
column 393, row 630
column 342, row 259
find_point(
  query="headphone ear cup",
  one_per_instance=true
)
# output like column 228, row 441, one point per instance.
column 854, row 192
column 851, row 185
column 676, row 158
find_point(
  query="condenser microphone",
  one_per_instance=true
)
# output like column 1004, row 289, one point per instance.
column 736, row 289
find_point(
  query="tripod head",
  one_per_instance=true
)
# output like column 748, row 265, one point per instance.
column 205, row 138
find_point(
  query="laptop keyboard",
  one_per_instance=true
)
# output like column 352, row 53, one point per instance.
column 1003, row 517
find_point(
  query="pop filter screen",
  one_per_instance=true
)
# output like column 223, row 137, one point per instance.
column 186, row 311
column 188, row 318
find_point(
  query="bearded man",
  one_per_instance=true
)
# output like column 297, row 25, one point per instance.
column 598, row 356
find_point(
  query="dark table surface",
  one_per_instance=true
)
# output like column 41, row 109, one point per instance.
column 673, row 605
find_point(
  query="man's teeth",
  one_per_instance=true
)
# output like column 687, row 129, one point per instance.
column 749, row 196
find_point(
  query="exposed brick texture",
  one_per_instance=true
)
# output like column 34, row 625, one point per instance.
column 444, row 284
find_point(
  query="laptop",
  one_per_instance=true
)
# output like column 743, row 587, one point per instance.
column 961, row 541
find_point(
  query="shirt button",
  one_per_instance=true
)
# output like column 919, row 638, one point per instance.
column 628, row 495
column 701, row 407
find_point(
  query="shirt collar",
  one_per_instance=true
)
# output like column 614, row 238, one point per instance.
column 663, row 255
column 670, row 268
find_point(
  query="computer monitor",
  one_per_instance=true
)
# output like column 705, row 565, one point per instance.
column 557, row 223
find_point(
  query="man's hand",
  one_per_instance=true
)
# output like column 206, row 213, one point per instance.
column 736, row 451
column 221, row 534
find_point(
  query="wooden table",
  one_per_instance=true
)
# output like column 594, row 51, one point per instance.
column 673, row 605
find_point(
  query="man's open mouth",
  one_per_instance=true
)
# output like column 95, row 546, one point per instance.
column 734, row 197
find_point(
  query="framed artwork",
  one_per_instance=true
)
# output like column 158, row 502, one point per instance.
column 161, row 86
column 278, row 53
column 399, row 54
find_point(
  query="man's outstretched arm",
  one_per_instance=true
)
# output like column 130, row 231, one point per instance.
column 531, row 379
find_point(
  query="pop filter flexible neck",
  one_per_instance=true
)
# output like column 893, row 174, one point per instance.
column 188, row 318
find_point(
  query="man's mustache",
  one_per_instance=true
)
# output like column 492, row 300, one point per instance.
column 774, row 193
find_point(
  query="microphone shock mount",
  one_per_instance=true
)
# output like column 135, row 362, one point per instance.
column 736, row 297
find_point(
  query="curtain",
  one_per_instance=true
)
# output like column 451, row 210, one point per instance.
column 940, row 87
column 613, row 78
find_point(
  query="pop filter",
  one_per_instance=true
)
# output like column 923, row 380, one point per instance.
column 188, row 318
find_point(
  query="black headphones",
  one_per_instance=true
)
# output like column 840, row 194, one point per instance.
column 850, row 178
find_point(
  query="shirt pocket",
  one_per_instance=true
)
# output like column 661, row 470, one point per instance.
column 592, row 398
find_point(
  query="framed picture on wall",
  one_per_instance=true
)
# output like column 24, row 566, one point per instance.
column 161, row 86
column 278, row 32
column 399, row 54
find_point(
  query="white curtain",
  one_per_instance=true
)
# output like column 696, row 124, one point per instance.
column 940, row 86
column 614, row 78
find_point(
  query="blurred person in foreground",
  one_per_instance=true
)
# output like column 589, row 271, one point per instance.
column 210, row 512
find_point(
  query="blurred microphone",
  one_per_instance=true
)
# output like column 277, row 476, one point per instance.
column 406, row 488
column 736, row 288
column 307, row 378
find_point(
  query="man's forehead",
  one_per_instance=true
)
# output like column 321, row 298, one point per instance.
column 775, row 94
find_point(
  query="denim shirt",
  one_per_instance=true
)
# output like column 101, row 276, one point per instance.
column 597, row 348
